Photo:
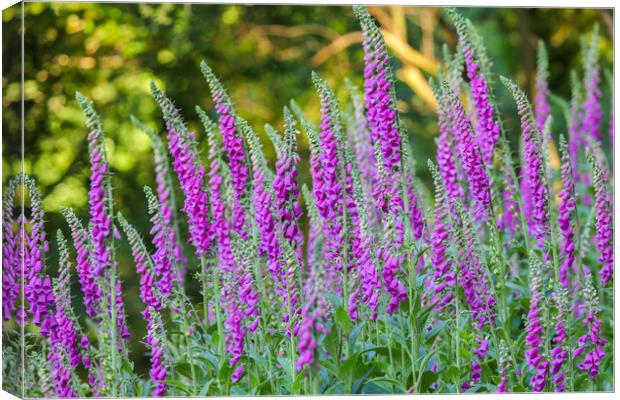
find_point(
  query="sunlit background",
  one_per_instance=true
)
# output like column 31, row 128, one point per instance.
column 263, row 54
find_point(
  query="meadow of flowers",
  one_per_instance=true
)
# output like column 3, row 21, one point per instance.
column 504, row 283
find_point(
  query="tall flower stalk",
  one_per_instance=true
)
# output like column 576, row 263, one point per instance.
column 535, row 337
column 534, row 165
column 11, row 271
column 165, row 192
column 382, row 117
column 471, row 158
column 101, row 227
column 593, row 339
column 471, row 275
column 234, row 147
column 446, row 144
column 91, row 290
column 444, row 273
column 268, row 222
column 330, row 199
column 566, row 211
column 604, row 228
column 487, row 127
column 286, row 187
column 190, row 173
column 559, row 352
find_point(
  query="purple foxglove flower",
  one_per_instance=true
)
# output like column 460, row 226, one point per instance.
column 382, row 117
column 163, row 241
column 472, row 278
column 542, row 109
column 286, row 188
column 604, row 228
column 11, row 244
column 165, row 194
column 268, row 222
column 100, row 202
column 100, row 221
column 534, row 165
column 593, row 340
column 559, row 354
column 314, row 313
column 359, row 138
column 240, row 301
column 220, row 228
column 191, row 174
column 362, row 266
column 503, row 363
column 566, row 211
column 487, row 127
column 91, row 290
column 37, row 285
column 469, row 154
column 611, row 125
column 444, row 273
column 235, row 332
column 509, row 220
column 233, row 145
column 445, row 153
column 66, row 325
column 416, row 218
column 237, row 373
column 315, row 234
column 534, row 339
column 314, row 250
column 155, row 341
column 502, row 387
column 60, row 374
column 481, row 353
column 144, row 267
column 123, row 331
column 330, row 199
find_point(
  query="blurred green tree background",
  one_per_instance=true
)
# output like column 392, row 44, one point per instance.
column 263, row 54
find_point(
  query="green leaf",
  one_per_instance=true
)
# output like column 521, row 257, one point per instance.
column 452, row 374
column 343, row 320
column 336, row 388
column 375, row 388
column 297, row 384
column 331, row 343
column 345, row 373
column 205, row 389
column 355, row 332
column 428, row 377
column 225, row 371
column 238, row 390
column 184, row 369
column 182, row 386
column 208, row 361
column 366, row 371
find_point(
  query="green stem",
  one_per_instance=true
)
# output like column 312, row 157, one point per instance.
column 290, row 329
column 186, row 335
column 205, row 296
column 113, row 344
column 218, row 318
column 457, row 338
